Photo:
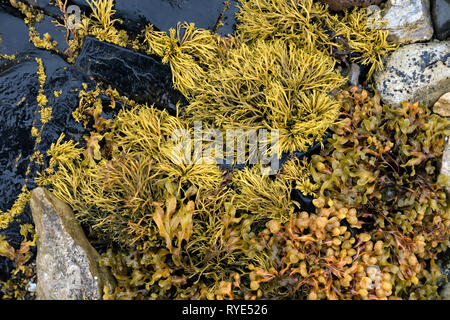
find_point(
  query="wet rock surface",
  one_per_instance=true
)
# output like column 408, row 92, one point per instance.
column 18, row 91
column 339, row 5
column 408, row 21
column 165, row 14
column 141, row 77
column 415, row 72
column 67, row 265
column 45, row 6
column 56, row 33
column 440, row 11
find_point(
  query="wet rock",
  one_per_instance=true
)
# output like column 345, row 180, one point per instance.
column 165, row 14
column 18, row 91
column 339, row 5
column 14, row 35
column 14, row 239
column 442, row 106
column 67, row 265
column 440, row 11
column 45, row 6
column 57, row 33
column 415, row 72
column 229, row 19
column 408, row 21
column 140, row 77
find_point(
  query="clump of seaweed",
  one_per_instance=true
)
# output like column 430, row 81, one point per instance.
column 383, row 163
column 276, row 72
column 308, row 24
column 137, row 147
column 16, row 286
column 373, row 235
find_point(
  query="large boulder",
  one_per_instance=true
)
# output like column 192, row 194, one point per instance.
column 67, row 266
column 415, row 72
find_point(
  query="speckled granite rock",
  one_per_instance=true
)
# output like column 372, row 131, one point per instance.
column 67, row 265
column 408, row 21
column 415, row 72
column 339, row 5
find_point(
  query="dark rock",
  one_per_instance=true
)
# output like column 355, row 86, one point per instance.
column 443, row 262
column 165, row 14
column 440, row 11
column 18, row 91
column 339, row 5
column 14, row 35
column 140, row 77
column 45, row 6
column 57, row 33
column 229, row 19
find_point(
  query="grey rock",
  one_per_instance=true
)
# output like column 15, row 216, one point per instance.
column 440, row 11
column 143, row 78
column 415, row 72
column 355, row 71
column 67, row 265
column 408, row 21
